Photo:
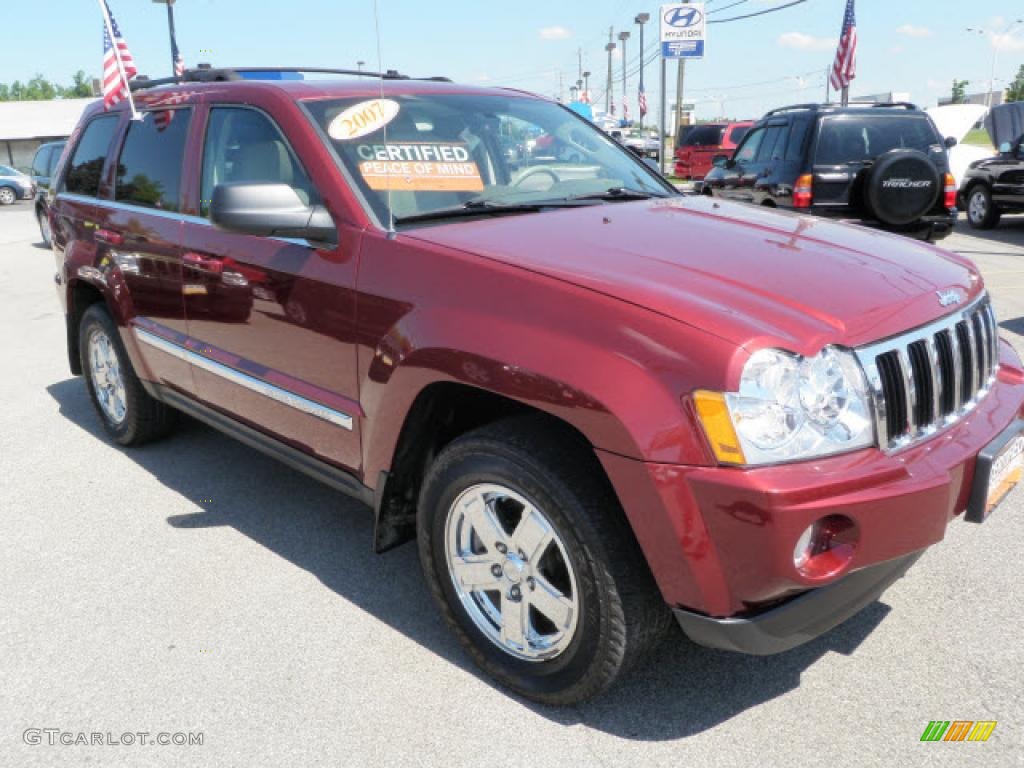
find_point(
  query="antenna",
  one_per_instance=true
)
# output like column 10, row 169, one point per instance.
column 380, row 68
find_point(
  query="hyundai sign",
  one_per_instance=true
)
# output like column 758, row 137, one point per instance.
column 683, row 31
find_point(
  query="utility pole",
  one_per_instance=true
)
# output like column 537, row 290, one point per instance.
column 680, row 83
column 561, row 87
column 579, row 53
column 641, row 19
column 609, row 102
column 661, row 114
column 623, row 37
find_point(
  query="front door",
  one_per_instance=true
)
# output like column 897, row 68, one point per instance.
column 271, row 320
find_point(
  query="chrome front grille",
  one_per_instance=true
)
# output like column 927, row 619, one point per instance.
column 931, row 377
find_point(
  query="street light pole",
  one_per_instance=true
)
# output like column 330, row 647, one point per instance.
column 995, row 53
column 623, row 37
column 641, row 19
column 608, row 93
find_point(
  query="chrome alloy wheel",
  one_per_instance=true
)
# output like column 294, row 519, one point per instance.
column 977, row 207
column 44, row 227
column 105, row 372
column 511, row 572
column 7, row 196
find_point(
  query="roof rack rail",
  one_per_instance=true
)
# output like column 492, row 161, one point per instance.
column 904, row 104
column 791, row 108
column 204, row 73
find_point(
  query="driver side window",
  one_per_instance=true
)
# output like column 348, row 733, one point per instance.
column 245, row 145
column 748, row 151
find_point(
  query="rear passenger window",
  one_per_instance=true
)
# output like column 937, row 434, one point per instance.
column 41, row 162
column 149, row 169
column 797, row 137
column 244, row 145
column 86, row 166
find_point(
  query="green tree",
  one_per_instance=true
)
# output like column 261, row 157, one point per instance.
column 41, row 89
column 81, row 87
column 960, row 91
column 1016, row 90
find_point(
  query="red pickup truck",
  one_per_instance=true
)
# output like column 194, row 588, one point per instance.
column 594, row 403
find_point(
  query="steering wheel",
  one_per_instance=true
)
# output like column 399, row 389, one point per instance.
column 533, row 172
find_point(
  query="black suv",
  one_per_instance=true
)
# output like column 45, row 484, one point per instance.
column 995, row 185
column 43, row 165
column 881, row 165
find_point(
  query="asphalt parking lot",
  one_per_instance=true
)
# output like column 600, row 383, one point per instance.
column 195, row 586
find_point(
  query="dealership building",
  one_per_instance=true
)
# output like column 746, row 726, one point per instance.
column 24, row 125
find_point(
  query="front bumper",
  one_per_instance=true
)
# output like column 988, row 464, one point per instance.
column 719, row 540
column 800, row 619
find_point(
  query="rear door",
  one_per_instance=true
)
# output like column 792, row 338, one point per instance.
column 140, row 231
column 271, row 320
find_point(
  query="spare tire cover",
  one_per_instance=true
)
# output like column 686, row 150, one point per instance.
column 903, row 186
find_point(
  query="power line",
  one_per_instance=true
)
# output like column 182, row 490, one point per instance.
column 757, row 13
column 727, row 7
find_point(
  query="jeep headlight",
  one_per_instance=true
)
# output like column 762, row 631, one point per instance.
column 789, row 408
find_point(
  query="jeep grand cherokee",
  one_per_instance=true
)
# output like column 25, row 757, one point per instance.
column 594, row 403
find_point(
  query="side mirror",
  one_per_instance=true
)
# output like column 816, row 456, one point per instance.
column 950, row 142
column 1005, row 148
column 720, row 161
column 269, row 210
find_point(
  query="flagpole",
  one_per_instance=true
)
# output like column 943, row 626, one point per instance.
column 170, row 27
column 117, row 57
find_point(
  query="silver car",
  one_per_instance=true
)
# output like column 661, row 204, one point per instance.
column 14, row 186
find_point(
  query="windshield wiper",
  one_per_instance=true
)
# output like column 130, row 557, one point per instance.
column 487, row 207
column 617, row 194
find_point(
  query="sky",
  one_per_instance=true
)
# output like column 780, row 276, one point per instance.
column 910, row 46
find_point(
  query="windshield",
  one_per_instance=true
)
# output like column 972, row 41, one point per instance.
column 429, row 152
column 859, row 138
column 704, row 136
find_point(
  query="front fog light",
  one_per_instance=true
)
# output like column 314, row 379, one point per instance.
column 826, row 547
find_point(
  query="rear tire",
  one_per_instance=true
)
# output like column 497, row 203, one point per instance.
column 607, row 605
column 981, row 210
column 44, row 228
column 129, row 415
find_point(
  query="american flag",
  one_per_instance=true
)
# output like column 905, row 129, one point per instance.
column 642, row 98
column 845, row 68
column 115, row 88
column 179, row 60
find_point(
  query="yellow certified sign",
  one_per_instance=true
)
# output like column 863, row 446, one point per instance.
column 362, row 119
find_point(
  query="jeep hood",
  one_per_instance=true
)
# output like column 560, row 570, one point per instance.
column 752, row 276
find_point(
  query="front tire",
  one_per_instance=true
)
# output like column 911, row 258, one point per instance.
column 981, row 210
column 8, row 196
column 532, row 563
column 129, row 415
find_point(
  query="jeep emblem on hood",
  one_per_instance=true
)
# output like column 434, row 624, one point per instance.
column 952, row 296
column 905, row 184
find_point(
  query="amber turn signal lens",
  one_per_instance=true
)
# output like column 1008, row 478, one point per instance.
column 803, row 191
column 714, row 417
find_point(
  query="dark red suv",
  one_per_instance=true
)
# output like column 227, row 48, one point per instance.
column 700, row 144
column 595, row 403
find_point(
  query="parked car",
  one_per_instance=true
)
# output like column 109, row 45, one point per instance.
column 586, row 428
column 882, row 166
column 43, row 165
column 14, row 186
column 640, row 143
column 995, row 185
column 699, row 144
